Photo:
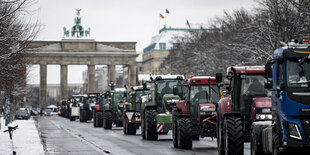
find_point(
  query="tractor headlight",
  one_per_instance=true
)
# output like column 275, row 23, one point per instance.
column 263, row 116
column 293, row 131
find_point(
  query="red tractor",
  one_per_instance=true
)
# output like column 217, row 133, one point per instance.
column 247, row 101
column 195, row 116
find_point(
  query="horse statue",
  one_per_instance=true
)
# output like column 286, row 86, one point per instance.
column 66, row 32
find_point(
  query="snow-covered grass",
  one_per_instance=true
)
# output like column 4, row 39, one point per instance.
column 26, row 138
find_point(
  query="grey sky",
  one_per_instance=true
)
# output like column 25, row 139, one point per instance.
column 122, row 20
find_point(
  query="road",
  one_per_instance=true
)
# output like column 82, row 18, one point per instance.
column 60, row 136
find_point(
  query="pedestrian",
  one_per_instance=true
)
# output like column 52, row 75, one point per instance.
column 41, row 112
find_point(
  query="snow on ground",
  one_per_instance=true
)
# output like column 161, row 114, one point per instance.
column 26, row 138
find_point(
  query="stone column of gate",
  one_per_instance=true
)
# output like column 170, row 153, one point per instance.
column 43, row 88
column 64, row 81
column 132, row 75
column 112, row 76
column 91, row 79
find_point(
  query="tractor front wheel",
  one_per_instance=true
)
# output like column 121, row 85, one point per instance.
column 175, row 132
column 107, row 121
column 95, row 119
column 99, row 119
column 83, row 117
column 150, row 125
column 184, row 131
column 233, row 135
column 131, row 128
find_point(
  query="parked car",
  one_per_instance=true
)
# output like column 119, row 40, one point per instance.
column 34, row 112
column 48, row 112
column 22, row 114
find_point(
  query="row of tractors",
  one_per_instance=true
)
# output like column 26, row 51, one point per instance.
column 267, row 106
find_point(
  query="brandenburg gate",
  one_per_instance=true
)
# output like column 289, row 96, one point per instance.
column 79, row 49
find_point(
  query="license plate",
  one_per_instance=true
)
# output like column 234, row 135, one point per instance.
column 266, row 110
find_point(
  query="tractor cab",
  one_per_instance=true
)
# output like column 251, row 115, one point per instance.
column 203, row 95
column 163, row 91
column 247, row 92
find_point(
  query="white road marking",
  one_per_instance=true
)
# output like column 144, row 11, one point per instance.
column 95, row 147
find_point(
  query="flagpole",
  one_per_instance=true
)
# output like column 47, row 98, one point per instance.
column 165, row 19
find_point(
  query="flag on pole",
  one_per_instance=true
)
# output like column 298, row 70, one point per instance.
column 187, row 23
column 225, row 12
column 161, row 16
column 167, row 11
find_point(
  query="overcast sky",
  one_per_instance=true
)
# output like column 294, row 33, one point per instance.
column 122, row 20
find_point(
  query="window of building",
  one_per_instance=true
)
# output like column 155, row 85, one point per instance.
column 162, row 56
column 162, row 46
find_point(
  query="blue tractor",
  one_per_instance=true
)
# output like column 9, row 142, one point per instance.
column 288, row 76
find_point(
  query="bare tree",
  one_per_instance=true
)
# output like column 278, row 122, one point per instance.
column 15, row 34
column 241, row 38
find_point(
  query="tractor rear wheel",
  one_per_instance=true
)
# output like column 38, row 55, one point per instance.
column 95, row 119
column 219, row 134
column 131, row 128
column 142, row 126
column 83, row 117
column 196, row 137
column 99, row 119
column 150, row 125
column 125, row 126
column 72, row 118
column 184, row 131
column 107, row 121
column 175, row 132
column 233, row 135
column 255, row 149
column 119, row 123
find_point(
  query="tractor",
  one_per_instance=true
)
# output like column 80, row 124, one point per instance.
column 113, row 109
column 288, row 75
column 156, row 116
column 247, row 101
column 63, row 109
column 132, row 113
column 88, row 106
column 195, row 116
column 75, row 102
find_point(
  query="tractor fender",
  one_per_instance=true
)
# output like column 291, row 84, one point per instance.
column 182, row 107
column 225, row 106
column 260, row 102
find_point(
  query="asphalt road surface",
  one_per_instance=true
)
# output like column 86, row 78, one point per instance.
column 60, row 136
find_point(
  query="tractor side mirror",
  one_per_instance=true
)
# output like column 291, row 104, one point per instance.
column 219, row 77
column 268, row 70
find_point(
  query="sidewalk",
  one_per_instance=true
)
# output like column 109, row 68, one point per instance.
column 26, row 138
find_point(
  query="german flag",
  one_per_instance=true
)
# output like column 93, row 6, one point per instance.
column 161, row 16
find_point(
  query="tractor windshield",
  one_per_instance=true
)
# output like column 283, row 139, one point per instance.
column 140, row 93
column 91, row 100
column 165, row 87
column 200, row 94
column 118, row 97
column 298, row 74
column 252, row 86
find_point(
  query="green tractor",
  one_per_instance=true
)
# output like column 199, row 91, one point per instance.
column 113, row 110
column 132, row 113
column 156, row 117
